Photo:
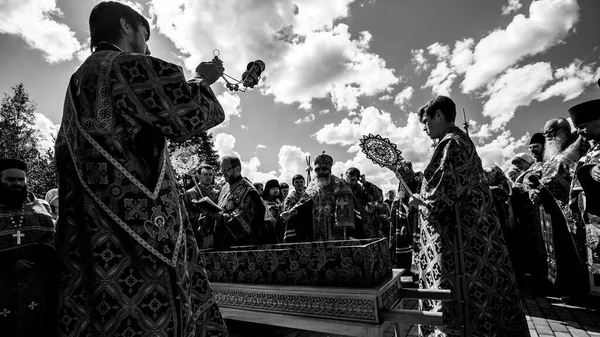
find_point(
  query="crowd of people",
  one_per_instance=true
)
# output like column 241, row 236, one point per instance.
column 115, row 249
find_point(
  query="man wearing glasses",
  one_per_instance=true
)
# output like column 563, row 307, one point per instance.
column 241, row 219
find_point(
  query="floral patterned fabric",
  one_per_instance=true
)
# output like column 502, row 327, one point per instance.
column 129, row 262
column 583, row 205
column 462, row 247
column 351, row 263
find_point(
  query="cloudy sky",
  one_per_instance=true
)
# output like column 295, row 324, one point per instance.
column 339, row 69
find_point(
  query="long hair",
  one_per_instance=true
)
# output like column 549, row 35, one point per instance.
column 105, row 22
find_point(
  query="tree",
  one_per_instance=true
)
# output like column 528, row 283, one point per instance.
column 19, row 139
column 188, row 155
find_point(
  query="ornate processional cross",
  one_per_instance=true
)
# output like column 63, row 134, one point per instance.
column 18, row 235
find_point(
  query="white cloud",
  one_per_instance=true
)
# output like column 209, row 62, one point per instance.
column 261, row 146
column 573, row 80
column 324, row 112
column 548, row 23
column 385, row 97
column 231, row 107
column 34, row 21
column 292, row 161
column 48, row 131
column 307, row 56
column 512, row 6
column 500, row 150
column 403, row 98
column 462, row 55
column 224, row 144
column 244, row 127
column 419, row 60
column 516, row 87
column 440, row 79
column 308, row 119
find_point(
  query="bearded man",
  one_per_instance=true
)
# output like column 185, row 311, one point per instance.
column 366, row 195
column 326, row 210
column 129, row 260
column 561, row 231
column 241, row 219
column 462, row 247
column 204, row 186
column 27, row 257
column 585, row 195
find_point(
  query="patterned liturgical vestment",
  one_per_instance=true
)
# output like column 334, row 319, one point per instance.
column 462, row 247
column 323, row 213
column 129, row 263
column 27, row 295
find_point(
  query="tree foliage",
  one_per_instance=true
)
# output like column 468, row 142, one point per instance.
column 19, row 139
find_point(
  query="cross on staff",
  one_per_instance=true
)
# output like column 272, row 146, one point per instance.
column 308, row 169
column 18, row 235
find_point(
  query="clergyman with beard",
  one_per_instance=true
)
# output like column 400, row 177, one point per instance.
column 27, row 257
column 241, row 221
column 561, row 230
column 585, row 190
column 326, row 210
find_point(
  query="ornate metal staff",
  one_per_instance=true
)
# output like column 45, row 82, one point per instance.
column 308, row 169
column 465, row 124
column 384, row 153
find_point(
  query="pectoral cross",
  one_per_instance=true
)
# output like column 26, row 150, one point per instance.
column 18, row 235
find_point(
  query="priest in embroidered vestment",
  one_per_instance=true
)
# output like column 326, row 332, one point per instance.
column 585, row 197
column 326, row 211
column 241, row 221
column 204, row 186
column 129, row 262
column 561, row 232
column 366, row 195
column 27, row 257
column 462, row 248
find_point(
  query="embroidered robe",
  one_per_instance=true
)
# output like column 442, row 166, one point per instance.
column 243, row 216
column 366, row 195
column 129, row 263
column 322, row 214
column 585, row 204
column 204, row 226
column 462, row 247
column 561, row 232
column 27, row 294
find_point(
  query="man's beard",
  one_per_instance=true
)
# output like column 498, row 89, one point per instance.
column 13, row 197
column 554, row 147
column 323, row 180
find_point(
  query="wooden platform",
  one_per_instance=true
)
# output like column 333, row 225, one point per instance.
column 336, row 310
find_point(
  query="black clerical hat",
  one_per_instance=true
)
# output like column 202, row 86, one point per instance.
column 11, row 163
column 585, row 112
column 537, row 138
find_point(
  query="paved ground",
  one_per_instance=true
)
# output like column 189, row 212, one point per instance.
column 546, row 316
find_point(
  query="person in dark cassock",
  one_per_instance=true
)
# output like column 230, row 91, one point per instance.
column 462, row 247
column 204, row 186
column 293, row 197
column 326, row 211
column 561, row 233
column 585, row 189
column 405, row 220
column 27, row 257
column 129, row 263
column 366, row 195
column 241, row 219
column 273, row 201
column 285, row 190
column 290, row 201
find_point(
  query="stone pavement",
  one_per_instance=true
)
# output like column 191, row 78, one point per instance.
column 546, row 316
